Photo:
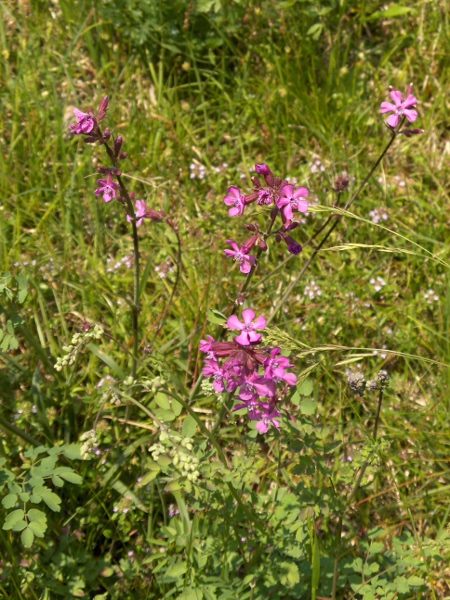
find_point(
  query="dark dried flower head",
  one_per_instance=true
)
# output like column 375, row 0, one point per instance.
column 341, row 184
column 357, row 382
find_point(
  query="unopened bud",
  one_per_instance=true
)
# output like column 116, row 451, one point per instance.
column 262, row 169
column 123, row 155
column 118, row 145
column 102, row 109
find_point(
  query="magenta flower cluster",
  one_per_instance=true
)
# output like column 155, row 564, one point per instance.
column 88, row 125
column 257, row 374
column 285, row 199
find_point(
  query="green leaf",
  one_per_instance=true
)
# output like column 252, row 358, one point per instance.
column 308, row 406
column 189, row 428
column 10, row 500
column 27, row 537
column 35, row 498
column 24, row 497
column 37, row 516
column 415, row 581
column 164, row 415
column 14, row 516
column 216, row 317
column 162, row 400
column 176, row 407
column 19, row 526
column 68, row 474
column 175, row 571
column 395, row 10
column 315, row 30
column 150, row 476
column 57, row 481
column 36, row 482
column 51, row 499
column 23, row 291
column 289, row 573
column 33, row 453
column 38, row 528
column 72, row 451
column 402, row 585
column 376, row 547
column 306, row 387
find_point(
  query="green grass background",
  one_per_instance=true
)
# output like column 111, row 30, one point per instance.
column 286, row 83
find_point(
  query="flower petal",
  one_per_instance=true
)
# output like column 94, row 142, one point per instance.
column 393, row 120
column 234, row 323
column 248, row 315
column 397, row 97
column 387, row 107
column 410, row 114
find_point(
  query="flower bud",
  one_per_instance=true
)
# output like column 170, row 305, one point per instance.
column 102, row 109
column 262, row 169
column 118, row 145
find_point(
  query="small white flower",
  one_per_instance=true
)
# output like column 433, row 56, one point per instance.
column 312, row 290
column 431, row 296
column 379, row 214
column 378, row 283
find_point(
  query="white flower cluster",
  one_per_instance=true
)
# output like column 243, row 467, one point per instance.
column 431, row 296
column 379, row 214
column 90, row 442
column 198, row 171
column 78, row 341
column 378, row 283
column 179, row 449
column 312, row 290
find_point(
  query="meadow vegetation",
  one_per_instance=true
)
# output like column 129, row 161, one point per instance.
column 98, row 496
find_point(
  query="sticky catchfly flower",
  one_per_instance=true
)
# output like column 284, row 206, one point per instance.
column 293, row 199
column 241, row 256
column 107, row 189
column 141, row 213
column 248, row 327
column 236, row 200
column 86, row 122
column 400, row 107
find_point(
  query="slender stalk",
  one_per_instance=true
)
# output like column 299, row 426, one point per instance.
column 350, row 500
column 8, row 427
column 174, row 289
column 136, row 300
column 292, row 285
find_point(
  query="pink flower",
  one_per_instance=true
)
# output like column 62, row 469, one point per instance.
column 248, row 327
column 212, row 369
column 400, row 107
column 241, row 256
column 293, row 199
column 141, row 213
column 235, row 199
column 275, row 367
column 269, row 418
column 86, row 122
column 107, row 188
column 254, row 386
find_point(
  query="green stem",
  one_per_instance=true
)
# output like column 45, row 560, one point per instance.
column 10, row 428
column 350, row 500
column 292, row 285
column 136, row 304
